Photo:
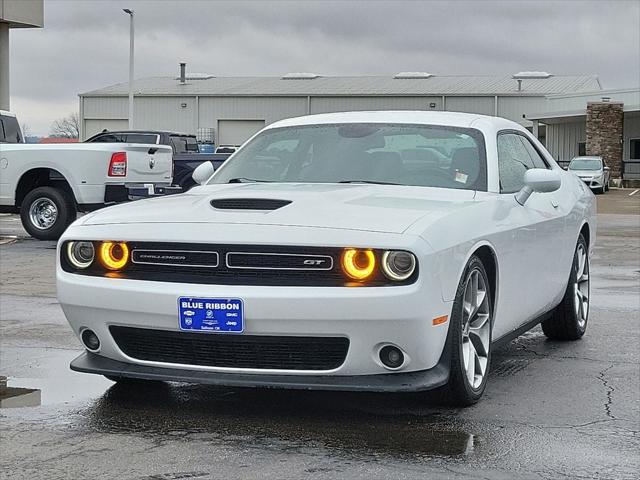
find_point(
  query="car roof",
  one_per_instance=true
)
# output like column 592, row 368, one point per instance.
column 454, row 119
column 587, row 157
column 7, row 114
column 147, row 132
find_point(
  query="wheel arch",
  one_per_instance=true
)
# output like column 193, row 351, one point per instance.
column 487, row 256
column 41, row 177
column 585, row 230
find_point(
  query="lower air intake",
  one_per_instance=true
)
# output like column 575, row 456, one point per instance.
column 232, row 351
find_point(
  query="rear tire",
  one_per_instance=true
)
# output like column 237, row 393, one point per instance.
column 470, row 337
column 569, row 319
column 46, row 212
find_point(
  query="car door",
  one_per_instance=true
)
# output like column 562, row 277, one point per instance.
column 529, row 280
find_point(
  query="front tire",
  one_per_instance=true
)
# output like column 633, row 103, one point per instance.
column 470, row 336
column 569, row 319
column 46, row 212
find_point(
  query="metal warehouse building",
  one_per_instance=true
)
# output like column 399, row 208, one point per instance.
column 236, row 107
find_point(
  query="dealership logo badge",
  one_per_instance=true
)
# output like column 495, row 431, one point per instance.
column 152, row 163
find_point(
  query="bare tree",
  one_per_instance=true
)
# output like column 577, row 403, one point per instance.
column 67, row 127
column 26, row 130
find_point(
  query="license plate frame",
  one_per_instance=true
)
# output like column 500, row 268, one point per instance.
column 211, row 315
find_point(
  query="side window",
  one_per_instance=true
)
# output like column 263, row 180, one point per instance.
column 11, row 130
column 107, row 138
column 513, row 161
column 2, row 135
column 537, row 160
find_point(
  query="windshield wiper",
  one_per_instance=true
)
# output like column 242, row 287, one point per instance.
column 246, row 180
column 369, row 181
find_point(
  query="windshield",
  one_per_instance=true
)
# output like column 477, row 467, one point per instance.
column 421, row 155
column 585, row 164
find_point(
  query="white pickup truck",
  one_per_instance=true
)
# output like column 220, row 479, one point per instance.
column 49, row 184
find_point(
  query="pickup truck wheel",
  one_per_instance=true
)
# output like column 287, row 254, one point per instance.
column 46, row 212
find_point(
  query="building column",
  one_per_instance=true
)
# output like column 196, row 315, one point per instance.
column 4, row 66
column 605, row 134
column 536, row 128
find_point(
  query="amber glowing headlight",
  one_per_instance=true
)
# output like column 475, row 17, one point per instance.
column 398, row 265
column 358, row 264
column 80, row 254
column 113, row 255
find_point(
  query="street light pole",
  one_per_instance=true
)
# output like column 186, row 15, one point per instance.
column 130, row 13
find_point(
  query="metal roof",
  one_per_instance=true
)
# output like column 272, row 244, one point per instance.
column 560, row 108
column 356, row 86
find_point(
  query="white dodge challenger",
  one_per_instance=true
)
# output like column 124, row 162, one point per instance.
column 379, row 251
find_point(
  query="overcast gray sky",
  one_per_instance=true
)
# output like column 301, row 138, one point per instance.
column 85, row 43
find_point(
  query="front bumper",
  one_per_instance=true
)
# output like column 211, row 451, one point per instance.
column 127, row 192
column 594, row 182
column 389, row 382
column 369, row 317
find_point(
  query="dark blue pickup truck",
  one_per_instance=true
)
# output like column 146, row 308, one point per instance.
column 186, row 153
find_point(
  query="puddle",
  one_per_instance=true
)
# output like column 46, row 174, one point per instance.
column 348, row 422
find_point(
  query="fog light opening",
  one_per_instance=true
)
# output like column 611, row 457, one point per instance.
column 391, row 357
column 90, row 340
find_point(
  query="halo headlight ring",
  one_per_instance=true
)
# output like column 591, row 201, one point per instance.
column 80, row 254
column 113, row 255
column 358, row 264
column 398, row 265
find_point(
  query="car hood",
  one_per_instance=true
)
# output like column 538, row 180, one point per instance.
column 587, row 173
column 379, row 208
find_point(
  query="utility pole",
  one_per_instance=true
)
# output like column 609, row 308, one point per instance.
column 131, row 35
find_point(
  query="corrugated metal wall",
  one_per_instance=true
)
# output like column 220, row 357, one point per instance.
column 481, row 105
column 631, row 129
column 106, row 107
column 514, row 108
column 346, row 104
column 186, row 114
column 269, row 109
column 165, row 113
column 563, row 138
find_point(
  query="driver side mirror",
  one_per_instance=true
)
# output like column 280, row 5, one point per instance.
column 538, row 180
column 606, row 169
column 202, row 172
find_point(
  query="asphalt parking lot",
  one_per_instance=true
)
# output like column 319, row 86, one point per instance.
column 551, row 410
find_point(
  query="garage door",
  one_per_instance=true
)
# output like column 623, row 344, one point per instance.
column 91, row 127
column 236, row 132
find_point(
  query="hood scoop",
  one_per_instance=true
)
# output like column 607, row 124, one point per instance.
column 248, row 203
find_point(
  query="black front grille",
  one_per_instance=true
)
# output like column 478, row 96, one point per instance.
column 225, row 264
column 248, row 203
column 232, row 351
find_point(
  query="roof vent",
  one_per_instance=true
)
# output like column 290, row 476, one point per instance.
column 532, row 75
column 197, row 76
column 300, row 76
column 410, row 75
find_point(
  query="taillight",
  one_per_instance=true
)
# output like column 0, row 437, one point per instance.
column 118, row 165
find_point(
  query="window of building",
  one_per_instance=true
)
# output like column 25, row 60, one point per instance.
column 634, row 149
column 582, row 149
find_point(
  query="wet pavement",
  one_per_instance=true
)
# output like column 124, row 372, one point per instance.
column 551, row 410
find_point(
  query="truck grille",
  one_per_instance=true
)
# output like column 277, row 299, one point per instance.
column 232, row 351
